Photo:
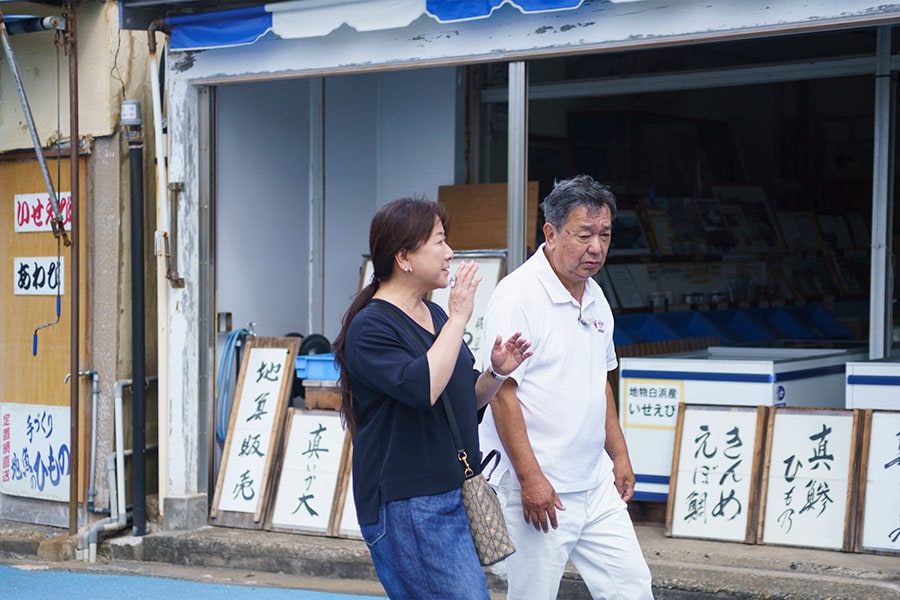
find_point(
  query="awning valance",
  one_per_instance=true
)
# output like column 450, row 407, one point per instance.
column 311, row 18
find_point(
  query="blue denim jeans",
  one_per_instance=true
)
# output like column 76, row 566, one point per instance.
column 422, row 549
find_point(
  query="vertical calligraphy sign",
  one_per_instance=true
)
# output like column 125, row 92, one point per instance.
column 310, row 466
column 715, row 472
column 879, row 487
column 255, row 432
column 807, row 494
column 35, row 458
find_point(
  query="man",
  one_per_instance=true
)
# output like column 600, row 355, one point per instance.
column 565, row 475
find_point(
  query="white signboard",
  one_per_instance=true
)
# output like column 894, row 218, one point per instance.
column 39, row 275
column 34, row 212
column 807, row 490
column 34, row 451
column 649, row 416
column 715, row 481
column 652, row 403
column 490, row 269
column 881, row 517
column 252, row 430
column 309, row 475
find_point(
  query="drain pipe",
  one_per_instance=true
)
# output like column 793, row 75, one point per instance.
column 116, row 479
column 131, row 124
column 115, row 469
column 95, row 394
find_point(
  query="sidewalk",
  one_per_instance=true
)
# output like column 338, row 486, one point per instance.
column 683, row 569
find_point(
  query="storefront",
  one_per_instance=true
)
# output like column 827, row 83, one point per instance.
column 285, row 139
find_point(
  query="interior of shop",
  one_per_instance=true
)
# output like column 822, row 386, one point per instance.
column 735, row 192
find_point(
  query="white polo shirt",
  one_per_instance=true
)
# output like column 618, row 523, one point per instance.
column 562, row 386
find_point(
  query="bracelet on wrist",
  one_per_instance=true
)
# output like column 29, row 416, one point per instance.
column 497, row 375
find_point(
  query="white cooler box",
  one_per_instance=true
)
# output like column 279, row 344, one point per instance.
column 651, row 387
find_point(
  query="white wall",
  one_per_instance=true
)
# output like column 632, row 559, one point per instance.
column 386, row 135
column 350, row 184
column 263, row 204
column 416, row 132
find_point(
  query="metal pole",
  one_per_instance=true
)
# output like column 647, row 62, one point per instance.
column 517, row 170
column 882, row 278
column 74, row 270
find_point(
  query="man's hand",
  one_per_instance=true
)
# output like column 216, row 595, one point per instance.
column 540, row 503
column 624, row 475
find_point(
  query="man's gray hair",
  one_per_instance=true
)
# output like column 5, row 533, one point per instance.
column 568, row 194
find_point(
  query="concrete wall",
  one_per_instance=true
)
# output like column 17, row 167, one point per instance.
column 108, row 59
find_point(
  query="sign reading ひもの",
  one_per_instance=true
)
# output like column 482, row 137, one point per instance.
column 34, row 450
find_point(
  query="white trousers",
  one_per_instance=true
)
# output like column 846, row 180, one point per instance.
column 595, row 532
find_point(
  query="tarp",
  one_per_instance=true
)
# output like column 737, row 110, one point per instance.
column 311, row 18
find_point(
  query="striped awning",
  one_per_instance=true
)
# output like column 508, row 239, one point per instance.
column 310, row 18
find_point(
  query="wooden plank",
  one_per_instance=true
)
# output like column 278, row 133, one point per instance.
column 343, row 488
column 321, row 398
column 478, row 215
column 41, row 379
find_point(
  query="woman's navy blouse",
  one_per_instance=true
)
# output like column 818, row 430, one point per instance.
column 403, row 447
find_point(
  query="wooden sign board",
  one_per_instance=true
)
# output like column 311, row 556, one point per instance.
column 879, row 483
column 715, row 472
column 808, row 491
column 478, row 214
column 315, row 444
column 254, row 432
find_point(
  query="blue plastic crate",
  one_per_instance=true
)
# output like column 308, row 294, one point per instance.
column 317, row 367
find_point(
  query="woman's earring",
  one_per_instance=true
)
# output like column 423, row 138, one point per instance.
column 408, row 269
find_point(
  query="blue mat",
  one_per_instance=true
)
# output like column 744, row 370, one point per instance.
column 26, row 584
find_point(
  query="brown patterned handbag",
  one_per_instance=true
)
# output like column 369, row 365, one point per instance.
column 486, row 522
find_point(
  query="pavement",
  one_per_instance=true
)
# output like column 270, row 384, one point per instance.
column 682, row 568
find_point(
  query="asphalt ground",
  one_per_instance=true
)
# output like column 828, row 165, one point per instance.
column 683, row 569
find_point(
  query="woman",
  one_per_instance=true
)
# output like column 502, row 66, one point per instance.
column 406, row 476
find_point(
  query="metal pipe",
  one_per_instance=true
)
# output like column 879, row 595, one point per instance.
column 138, row 352
column 115, row 472
column 881, row 283
column 517, row 170
column 75, row 271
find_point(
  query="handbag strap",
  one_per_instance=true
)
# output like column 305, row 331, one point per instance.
column 401, row 318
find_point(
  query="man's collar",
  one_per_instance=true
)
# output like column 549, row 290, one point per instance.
column 552, row 283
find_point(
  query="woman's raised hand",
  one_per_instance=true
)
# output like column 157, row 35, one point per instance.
column 462, row 293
